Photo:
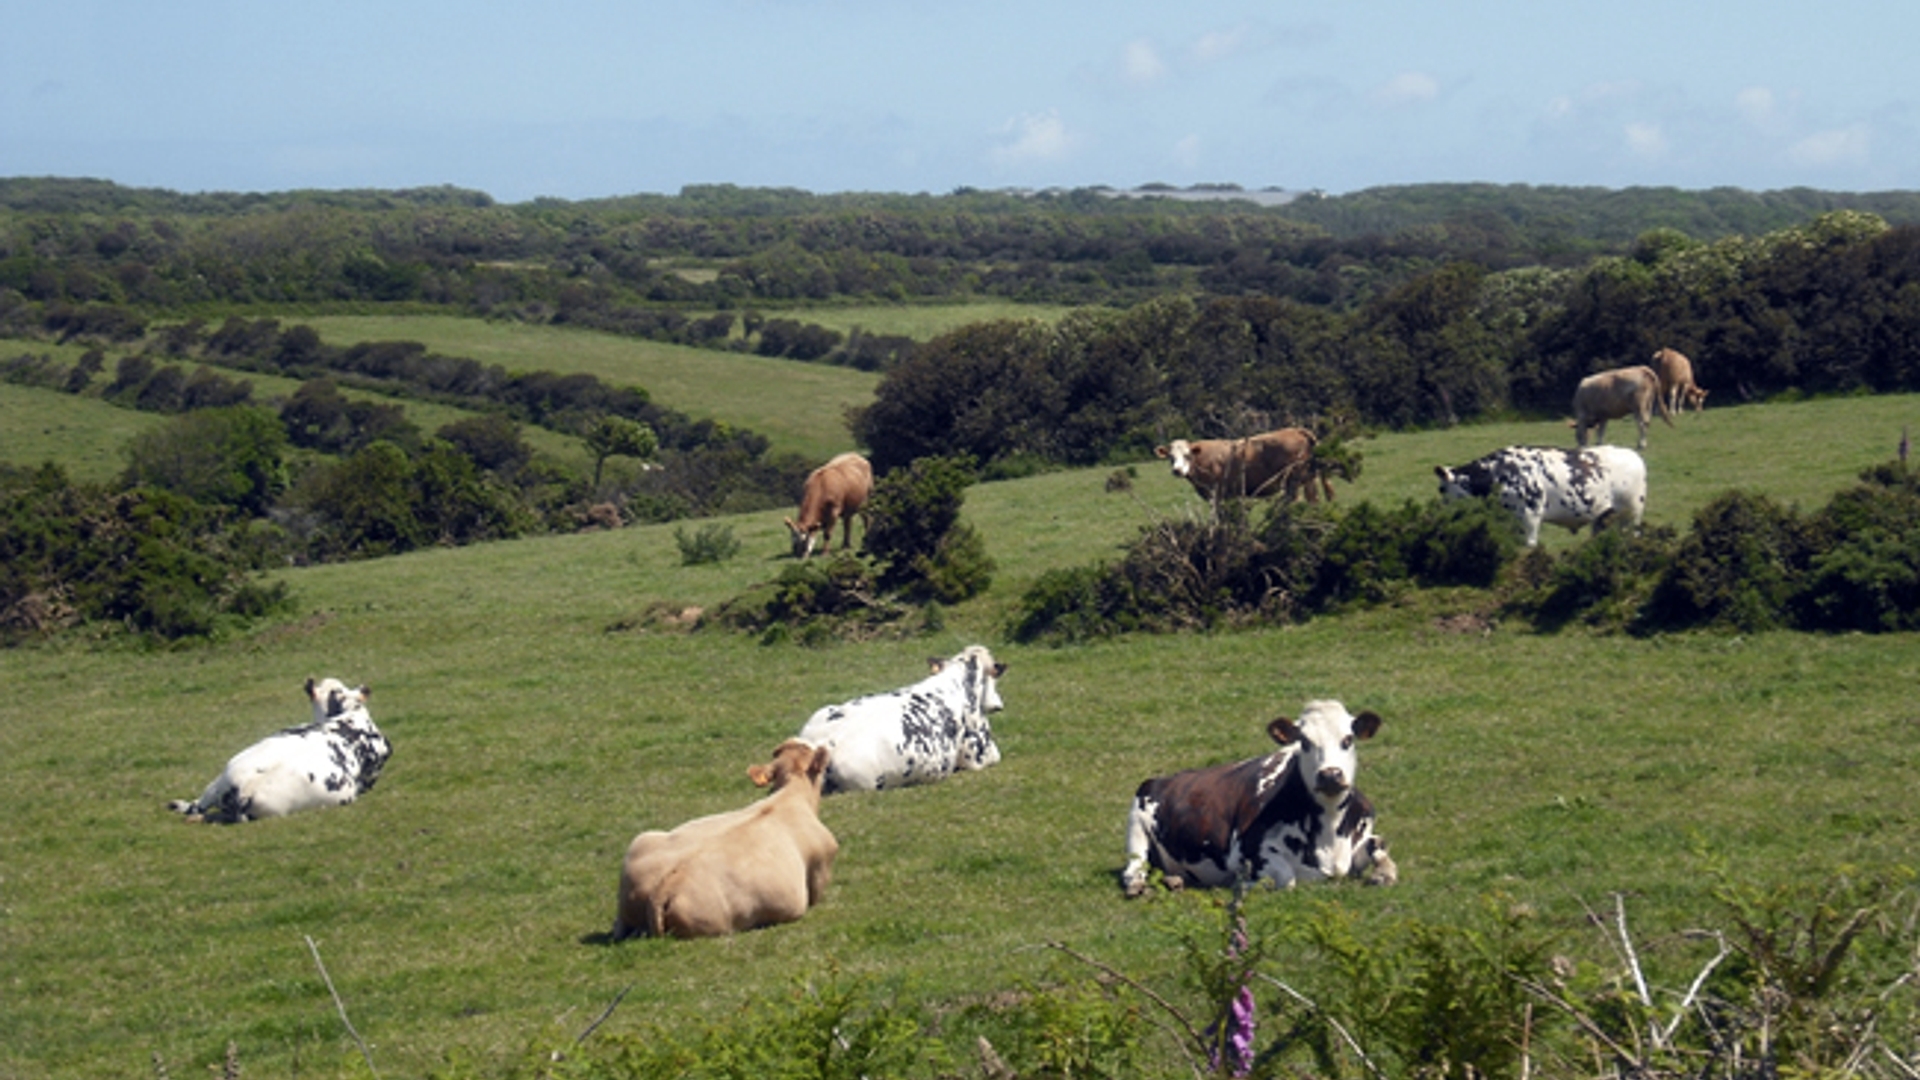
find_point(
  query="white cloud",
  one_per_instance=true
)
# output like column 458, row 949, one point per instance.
column 1407, row 88
column 1841, row 146
column 1646, row 140
column 1755, row 104
column 1036, row 137
column 1142, row 63
column 1220, row 44
column 1186, row 152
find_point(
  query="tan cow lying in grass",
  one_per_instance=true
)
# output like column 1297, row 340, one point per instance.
column 761, row 865
column 834, row 492
column 1610, row 395
column 1676, row 381
column 1279, row 460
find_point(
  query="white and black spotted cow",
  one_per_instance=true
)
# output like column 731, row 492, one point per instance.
column 916, row 734
column 329, row 762
column 1293, row 815
column 1555, row 486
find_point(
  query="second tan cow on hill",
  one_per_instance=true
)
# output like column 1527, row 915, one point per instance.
column 1265, row 464
column 1610, row 395
column 1676, row 381
column 834, row 492
column 761, row 865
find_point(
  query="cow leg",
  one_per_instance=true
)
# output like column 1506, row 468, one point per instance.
column 1139, row 842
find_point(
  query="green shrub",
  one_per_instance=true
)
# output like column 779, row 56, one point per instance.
column 915, row 534
column 1602, row 582
column 1737, row 568
column 1866, row 573
column 713, row 543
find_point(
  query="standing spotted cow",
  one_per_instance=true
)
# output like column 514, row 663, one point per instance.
column 1542, row 484
column 1293, row 815
column 917, row 734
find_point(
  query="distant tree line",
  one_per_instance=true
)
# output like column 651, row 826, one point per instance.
column 83, row 254
column 1828, row 307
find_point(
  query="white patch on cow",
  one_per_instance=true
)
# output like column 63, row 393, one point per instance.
column 1549, row 485
column 329, row 762
column 917, row 734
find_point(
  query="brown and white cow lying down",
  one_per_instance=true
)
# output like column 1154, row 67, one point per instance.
column 1610, row 395
column 764, row 864
column 1293, row 815
column 1676, row 381
column 1279, row 460
column 834, row 492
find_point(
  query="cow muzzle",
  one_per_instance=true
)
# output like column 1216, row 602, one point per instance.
column 1330, row 782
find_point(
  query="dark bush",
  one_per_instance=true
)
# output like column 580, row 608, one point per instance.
column 1866, row 574
column 914, row 533
column 712, row 543
column 1602, row 582
column 1737, row 569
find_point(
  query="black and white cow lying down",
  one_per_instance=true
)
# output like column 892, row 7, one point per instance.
column 1549, row 485
column 1293, row 815
column 916, row 734
column 329, row 762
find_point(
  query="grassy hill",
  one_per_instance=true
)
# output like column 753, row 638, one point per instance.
column 540, row 721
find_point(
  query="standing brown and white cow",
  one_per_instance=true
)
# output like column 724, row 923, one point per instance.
column 1676, row 381
column 834, row 492
column 1279, row 460
column 1610, row 395
column 764, row 864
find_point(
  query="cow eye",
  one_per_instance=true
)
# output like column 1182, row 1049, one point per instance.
column 1346, row 743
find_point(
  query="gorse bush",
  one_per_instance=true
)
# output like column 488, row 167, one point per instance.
column 142, row 560
column 708, row 544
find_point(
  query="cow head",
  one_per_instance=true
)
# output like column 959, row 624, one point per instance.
column 803, row 540
column 1323, row 739
column 1470, row 481
column 982, row 676
column 1182, row 454
column 793, row 759
column 332, row 698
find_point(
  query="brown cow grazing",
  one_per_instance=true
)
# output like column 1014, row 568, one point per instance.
column 1257, row 465
column 764, row 864
column 1610, row 395
column 835, row 492
column 1676, row 381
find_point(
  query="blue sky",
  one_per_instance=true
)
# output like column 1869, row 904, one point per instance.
column 588, row 98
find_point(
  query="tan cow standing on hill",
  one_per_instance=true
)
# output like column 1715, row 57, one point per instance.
column 1610, row 395
column 764, row 864
column 1265, row 464
column 834, row 492
column 1676, row 381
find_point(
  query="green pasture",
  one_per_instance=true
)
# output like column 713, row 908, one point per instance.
column 921, row 322
column 800, row 408
column 541, row 718
column 85, row 436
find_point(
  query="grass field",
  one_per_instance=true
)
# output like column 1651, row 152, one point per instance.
column 538, row 724
column 800, row 408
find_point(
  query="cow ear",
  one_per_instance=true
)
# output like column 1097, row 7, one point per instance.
column 821, row 755
column 310, row 681
column 1440, row 471
column 999, row 669
column 1283, row 731
column 761, row 775
column 365, row 691
column 1161, row 451
column 1366, row 725
column 935, row 664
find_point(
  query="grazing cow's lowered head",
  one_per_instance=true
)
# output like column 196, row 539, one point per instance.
column 764, row 864
column 329, row 762
column 1293, row 815
column 916, row 734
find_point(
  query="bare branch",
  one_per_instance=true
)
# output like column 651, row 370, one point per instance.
column 340, row 1005
column 1339, row 1030
column 612, row 1005
column 1196, row 1039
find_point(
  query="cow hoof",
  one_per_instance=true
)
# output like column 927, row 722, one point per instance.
column 1175, row 883
column 1135, row 890
column 1383, row 872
